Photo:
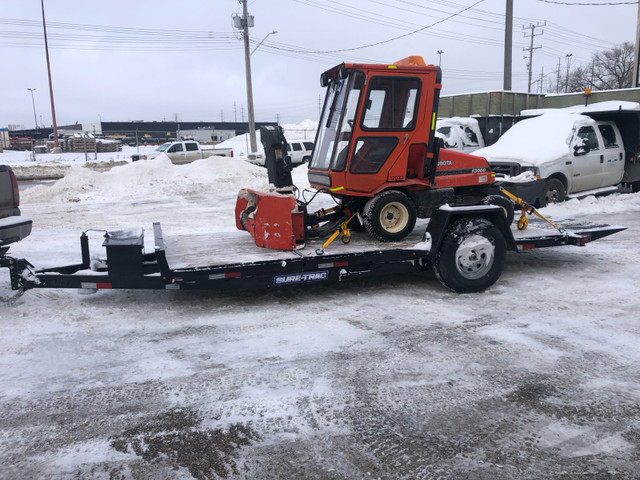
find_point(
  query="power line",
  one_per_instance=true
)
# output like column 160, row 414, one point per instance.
column 399, row 36
column 585, row 4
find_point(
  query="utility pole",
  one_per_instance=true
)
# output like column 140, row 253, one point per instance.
column 566, row 84
column 635, row 81
column 508, row 45
column 245, row 22
column 56, row 144
column 532, row 48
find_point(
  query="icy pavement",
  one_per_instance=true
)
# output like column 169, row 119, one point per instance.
column 396, row 377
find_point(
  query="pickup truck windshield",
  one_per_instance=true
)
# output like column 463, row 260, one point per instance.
column 163, row 147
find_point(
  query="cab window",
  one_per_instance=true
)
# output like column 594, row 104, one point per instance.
column 589, row 138
column 608, row 136
column 391, row 104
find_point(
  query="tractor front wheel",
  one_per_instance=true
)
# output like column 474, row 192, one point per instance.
column 389, row 216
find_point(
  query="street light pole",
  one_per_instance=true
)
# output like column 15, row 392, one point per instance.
column 440, row 52
column 33, row 102
column 261, row 41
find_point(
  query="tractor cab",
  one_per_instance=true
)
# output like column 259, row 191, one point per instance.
column 377, row 128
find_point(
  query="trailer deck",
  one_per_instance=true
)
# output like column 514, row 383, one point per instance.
column 231, row 261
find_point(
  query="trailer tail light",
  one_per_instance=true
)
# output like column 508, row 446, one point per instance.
column 16, row 190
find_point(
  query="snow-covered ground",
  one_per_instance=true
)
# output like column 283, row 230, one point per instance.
column 536, row 378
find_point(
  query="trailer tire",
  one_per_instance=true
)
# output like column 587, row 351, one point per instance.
column 471, row 256
column 553, row 192
column 389, row 216
column 504, row 202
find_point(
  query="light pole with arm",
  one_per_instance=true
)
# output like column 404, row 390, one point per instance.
column 33, row 102
column 261, row 41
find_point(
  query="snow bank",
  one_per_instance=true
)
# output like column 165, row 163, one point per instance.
column 158, row 178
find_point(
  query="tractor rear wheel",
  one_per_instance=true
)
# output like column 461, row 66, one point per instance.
column 389, row 216
column 471, row 256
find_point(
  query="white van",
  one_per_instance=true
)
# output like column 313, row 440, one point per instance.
column 300, row 152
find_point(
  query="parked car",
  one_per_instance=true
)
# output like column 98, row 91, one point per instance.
column 461, row 134
column 300, row 152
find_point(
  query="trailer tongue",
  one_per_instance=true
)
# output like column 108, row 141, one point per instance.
column 465, row 246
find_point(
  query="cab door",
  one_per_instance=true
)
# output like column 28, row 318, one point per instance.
column 587, row 160
column 389, row 113
column 176, row 153
column 613, row 156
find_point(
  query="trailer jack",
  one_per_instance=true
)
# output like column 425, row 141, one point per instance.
column 342, row 231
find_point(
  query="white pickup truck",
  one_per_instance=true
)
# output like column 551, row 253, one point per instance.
column 183, row 152
column 557, row 154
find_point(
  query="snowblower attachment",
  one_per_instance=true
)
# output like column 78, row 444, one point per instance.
column 273, row 219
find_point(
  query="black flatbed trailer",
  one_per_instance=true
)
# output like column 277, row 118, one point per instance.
column 465, row 246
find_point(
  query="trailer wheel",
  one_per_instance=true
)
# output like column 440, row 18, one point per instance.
column 471, row 256
column 389, row 216
column 554, row 192
column 504, row 202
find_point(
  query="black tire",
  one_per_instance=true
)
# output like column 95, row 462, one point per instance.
column 504, row 202
column 389, row 216
column 245, row 214
column 471, row 256
column 554, row 192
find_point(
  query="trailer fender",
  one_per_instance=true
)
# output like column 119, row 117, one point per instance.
column 445, row 216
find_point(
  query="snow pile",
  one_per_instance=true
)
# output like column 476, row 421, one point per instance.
column 591, row 205
column 158, row 178
column 608, row 106
column 536, row 140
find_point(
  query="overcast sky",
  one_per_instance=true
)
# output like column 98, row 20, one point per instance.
column 154, row 60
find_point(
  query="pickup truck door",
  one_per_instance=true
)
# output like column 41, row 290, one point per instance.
column 587, row 161
column 176, row 153
column 613, row 158
column 192, row 151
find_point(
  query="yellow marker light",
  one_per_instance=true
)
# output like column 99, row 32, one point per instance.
column 336, row 189
column 433, row 121
column 391, row 66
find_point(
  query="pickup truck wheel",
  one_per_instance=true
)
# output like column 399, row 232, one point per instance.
column 471, row 256
column 389, row 216
column 504, row 202
column 554, row 192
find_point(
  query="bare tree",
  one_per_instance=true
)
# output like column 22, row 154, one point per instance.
column 607, row 70
column 613, row 68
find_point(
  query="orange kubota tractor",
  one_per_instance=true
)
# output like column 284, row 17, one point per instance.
column 376, row 153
